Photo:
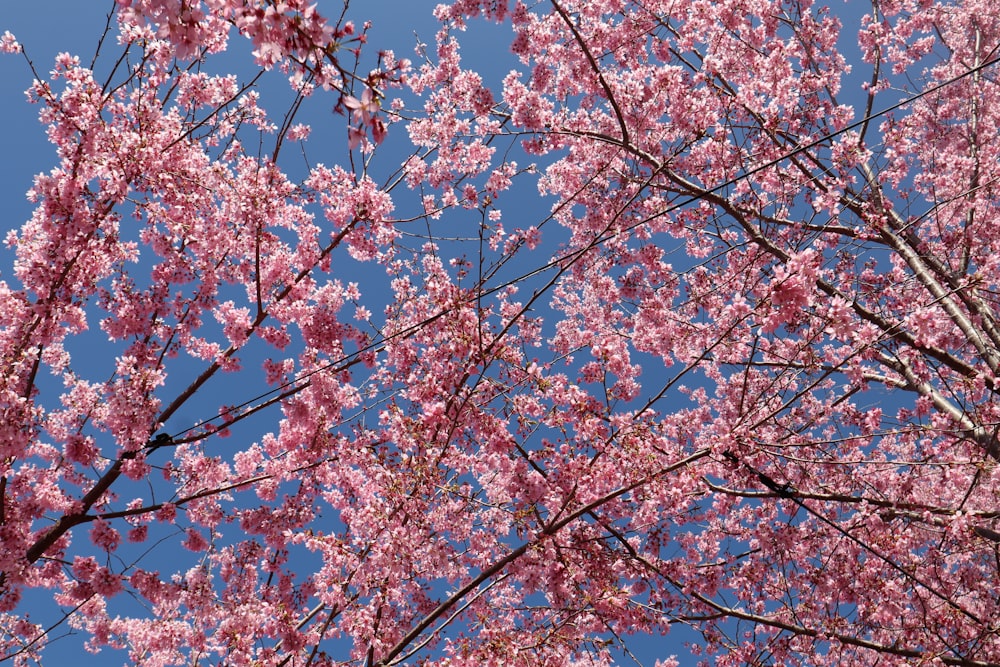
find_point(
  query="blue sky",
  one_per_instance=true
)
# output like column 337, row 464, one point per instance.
column 47, row 27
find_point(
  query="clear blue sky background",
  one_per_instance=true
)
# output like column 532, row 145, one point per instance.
column 47, row 27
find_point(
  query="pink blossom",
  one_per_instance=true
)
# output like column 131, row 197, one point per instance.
column 195, row 541
column 364, row 109
column 104, row 536
column 730, row 356
column 8, row 43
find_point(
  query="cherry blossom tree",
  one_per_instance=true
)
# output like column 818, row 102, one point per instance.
column 732, row 365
